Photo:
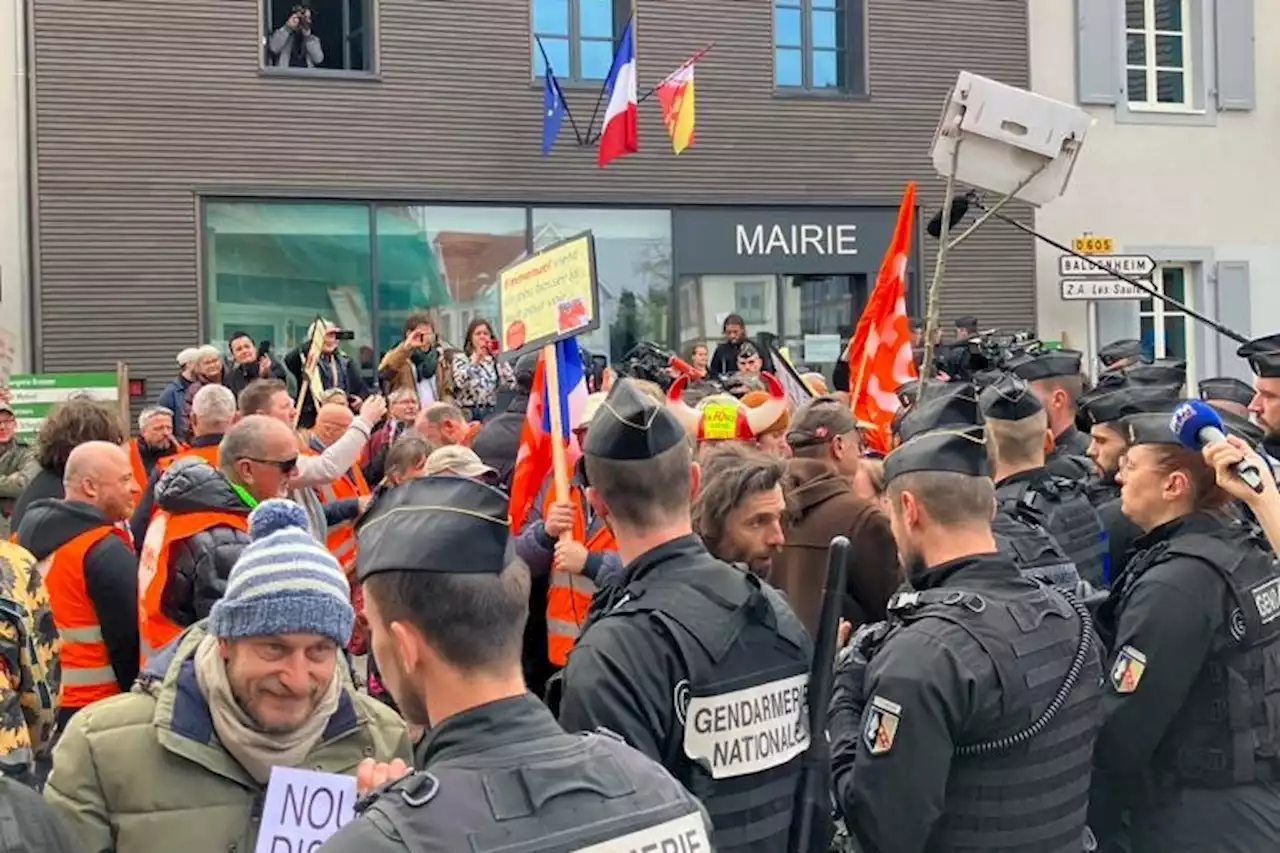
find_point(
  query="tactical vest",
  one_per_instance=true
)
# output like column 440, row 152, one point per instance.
column 1021, row 538
column 742, row 714
column 1022, row 786
column 1227, row 732
column 576, row 795
column 1067, row 514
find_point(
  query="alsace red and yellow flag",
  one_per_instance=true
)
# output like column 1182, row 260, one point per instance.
column 880, row 353
column 675, row 94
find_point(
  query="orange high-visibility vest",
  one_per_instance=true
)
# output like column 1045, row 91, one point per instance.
column 208, row 453
column 140, row 468
column 155, row 630
column 569, row 595
column 341, row 538
column 87, row 675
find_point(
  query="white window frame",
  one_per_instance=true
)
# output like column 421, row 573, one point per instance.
column 1160, row 312
column 1149, row 33
column 750, row 287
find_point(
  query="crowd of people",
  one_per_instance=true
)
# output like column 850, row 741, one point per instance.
column 1058, row 630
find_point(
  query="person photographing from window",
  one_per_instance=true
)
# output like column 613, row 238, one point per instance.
column 294, row 45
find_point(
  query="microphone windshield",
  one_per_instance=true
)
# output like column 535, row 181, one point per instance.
column 959, row 207
column 1191, row 417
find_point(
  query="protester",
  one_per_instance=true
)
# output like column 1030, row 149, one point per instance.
column 201, row 526
column 456, row 461
column 477, row 373
column 294, row 45
column 30, row 668
column 18, row 465
column 91, row 573
column 344, row 497
column 868, row 482
column 773, row 438
column 411, row 364
column 822, row 504
column 407, row 459
column 725, row 359
column 173, row 396
column 246, row 364
column 67, row 425
column 681, row 624
column 206, row 371
column 155, row 441
column 180, row 763
column 699, row 357
column 498, row 440
column 740, row 506
column 402, row 406
column 333, row 367
column 443, row 424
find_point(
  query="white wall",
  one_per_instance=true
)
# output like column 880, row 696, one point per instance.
column 14, row 272
column 1209, row 189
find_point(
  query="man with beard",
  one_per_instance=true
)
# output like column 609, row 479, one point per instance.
column 740, row 507
column 1054, row 377
column 155, row 441
column 447, row 601
column 967, row 721
column 1263, row 355
column 180, row 763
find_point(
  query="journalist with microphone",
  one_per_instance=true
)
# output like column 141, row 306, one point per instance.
column 1226, row 458
column 1187, row 753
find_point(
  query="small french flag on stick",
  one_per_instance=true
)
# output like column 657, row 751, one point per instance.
column 620, row 134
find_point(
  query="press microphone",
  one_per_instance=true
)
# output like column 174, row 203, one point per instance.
column 959, row 207
column 1196, row 425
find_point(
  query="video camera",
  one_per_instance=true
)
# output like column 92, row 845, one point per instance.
column 985, row 352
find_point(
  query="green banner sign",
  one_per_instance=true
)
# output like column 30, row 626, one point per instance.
column 32, row 395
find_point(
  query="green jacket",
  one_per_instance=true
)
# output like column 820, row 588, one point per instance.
column 18, row 466
column 143, row 772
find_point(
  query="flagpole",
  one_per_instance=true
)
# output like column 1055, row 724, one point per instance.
column 649, row 94
column 546, row 60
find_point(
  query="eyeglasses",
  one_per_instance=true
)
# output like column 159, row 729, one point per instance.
column 285, row 466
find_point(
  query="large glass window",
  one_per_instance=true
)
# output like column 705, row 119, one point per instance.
column 706, row 300
column 445, row 259
column 633, row 264
column 271, row 268
column 817, row 45
column 577, row 36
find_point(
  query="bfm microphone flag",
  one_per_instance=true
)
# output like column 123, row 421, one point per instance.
column 620, row 134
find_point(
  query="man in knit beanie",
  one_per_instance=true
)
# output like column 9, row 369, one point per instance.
column 174, row 765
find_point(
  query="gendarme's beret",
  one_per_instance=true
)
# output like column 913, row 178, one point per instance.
column 907, row 392
column 1009, row 399
column 630, row 425
column 1263, row 355
column 941, row 406
column 1226, row 388
column 960, row 450
column 1114, row 404
column 441, row 524
column 1240, row 426
column 1048, row 364
column 1119, row 350
column 1148, row 428
column 1160, row 372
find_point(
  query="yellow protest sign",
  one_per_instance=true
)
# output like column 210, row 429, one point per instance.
column 720, row 420
column 550, row 296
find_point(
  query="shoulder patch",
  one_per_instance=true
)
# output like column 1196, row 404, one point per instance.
column 1127, row 671
column 883, row 719
column 1266, row 597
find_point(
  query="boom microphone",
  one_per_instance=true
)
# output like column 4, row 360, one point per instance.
column 959, row 207
column 1196, row 425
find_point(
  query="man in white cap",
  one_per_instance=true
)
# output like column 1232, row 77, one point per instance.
column 174, row 395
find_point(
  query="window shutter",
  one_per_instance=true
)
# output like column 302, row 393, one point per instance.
column 1233, row 26
column 1097, row 51
column 1233, row 312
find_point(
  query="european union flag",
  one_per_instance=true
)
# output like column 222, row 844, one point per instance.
column 553, row 110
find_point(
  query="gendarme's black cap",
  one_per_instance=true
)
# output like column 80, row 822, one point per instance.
column 1009, row 399
column 1243, row 427
column 1113, row 404
column 630, row 425
column 1263, row 355
column 907, row 392
column 1148, row 428
column 1048, row 364
column 960, row 450
column 447, row 525
column 1118, row 350
column 1160, row 372
column 1226, row 388
column 941, row 406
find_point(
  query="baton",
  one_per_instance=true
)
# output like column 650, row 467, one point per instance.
column 815, row 790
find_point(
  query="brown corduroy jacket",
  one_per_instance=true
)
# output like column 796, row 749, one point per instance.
column 823, row 505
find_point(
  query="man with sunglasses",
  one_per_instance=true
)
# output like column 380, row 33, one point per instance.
column 202, row 523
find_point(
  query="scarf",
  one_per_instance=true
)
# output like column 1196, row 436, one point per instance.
column 256, row 751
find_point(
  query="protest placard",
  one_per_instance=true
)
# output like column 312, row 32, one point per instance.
column 303, row 809
column 550, row 296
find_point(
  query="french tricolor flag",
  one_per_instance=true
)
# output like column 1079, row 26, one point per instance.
column 621, row 134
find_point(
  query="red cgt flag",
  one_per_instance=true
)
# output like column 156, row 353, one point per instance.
column 880, row 353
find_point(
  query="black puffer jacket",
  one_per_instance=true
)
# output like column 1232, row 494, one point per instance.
column 199, row 565
column 498, row 441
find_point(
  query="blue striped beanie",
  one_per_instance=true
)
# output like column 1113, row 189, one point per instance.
column 284, row 582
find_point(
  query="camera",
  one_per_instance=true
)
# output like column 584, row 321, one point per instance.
column 345, row 335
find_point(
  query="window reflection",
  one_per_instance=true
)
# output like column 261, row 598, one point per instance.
column 633, row 265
